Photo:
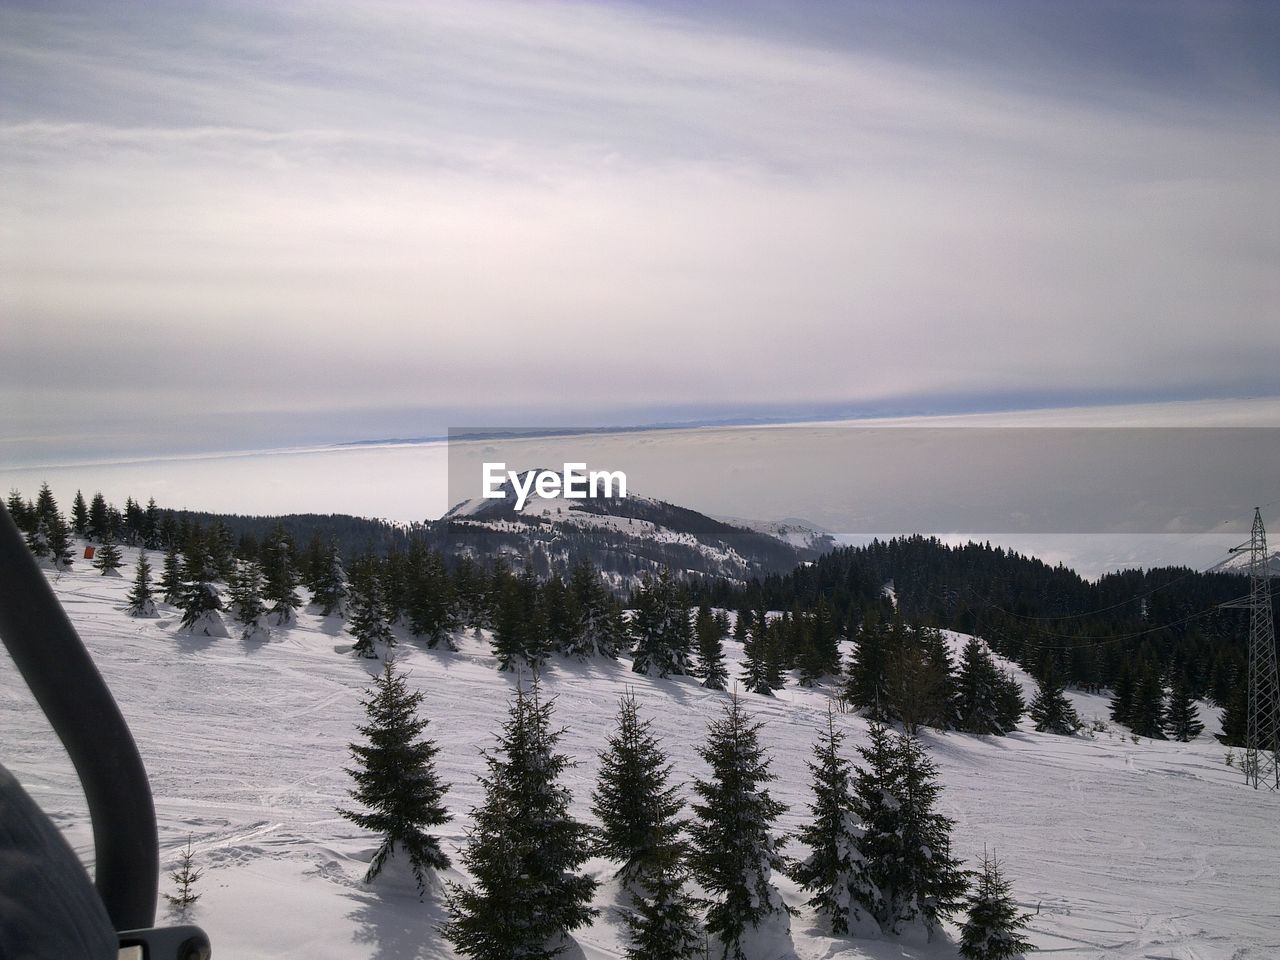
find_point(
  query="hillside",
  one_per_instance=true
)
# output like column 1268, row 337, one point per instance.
column 1126, row 850
column 624, row 537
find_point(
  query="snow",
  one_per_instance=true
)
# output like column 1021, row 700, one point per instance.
column 1123, row 850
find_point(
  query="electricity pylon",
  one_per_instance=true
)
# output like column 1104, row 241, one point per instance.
column 1262, row 742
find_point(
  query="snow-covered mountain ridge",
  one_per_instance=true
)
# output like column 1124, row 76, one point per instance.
column 625, row 536
column 1124, row 850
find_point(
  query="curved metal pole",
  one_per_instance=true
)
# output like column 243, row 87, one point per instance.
column 72, row 694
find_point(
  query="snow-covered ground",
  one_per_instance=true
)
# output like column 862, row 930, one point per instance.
column 1122, row 849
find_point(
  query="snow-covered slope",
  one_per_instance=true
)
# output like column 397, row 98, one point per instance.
column 1123, row 850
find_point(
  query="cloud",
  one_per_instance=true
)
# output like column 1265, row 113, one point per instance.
column 248, row 208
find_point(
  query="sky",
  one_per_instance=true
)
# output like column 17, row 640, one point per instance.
column 230, row 226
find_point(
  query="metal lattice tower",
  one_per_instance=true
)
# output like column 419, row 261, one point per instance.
column 1262, row 743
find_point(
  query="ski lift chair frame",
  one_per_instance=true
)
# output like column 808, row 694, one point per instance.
column 48, row 908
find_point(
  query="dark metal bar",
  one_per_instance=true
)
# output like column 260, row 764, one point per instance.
column 72, row 694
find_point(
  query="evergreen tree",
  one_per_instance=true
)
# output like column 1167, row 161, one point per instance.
column 867, row 684
column 920, row 880
column 1122, row 698
column 1146, row 719
column 396, row 780
column 59, row 541
column 141, row 603
column 107, row 559
column 46, row 505
column 520, row 636
column 756, row 674
column 524, row 850
column 993, row 928
column 1235, row 717
column 79, row 515
column 600, row 629
column 98, row 523
column 710, row 636
column 184, row 879
column 22, row 512
column 1010, row 701
column 919, row 681
column 1050, row 709
column 429, row 598
column 980, row 693
column 734, row 849
column 367, row 621
column 1182, row 720
column 875, row 787
column 199, row 599
column 663, row 925
column 245, row 593
column 281, row 577
column 38, row 539
column 170, row 583
column 329, row 583
column 637, row 810
column 835, row 871
column 775, row 653
column 661, row 627
column 824, row 641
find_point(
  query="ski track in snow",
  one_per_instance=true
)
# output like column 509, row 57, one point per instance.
column 1148, row 851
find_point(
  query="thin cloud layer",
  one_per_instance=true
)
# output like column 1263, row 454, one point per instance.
column 417, row 214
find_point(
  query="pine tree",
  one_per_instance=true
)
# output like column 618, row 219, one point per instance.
column 519, row 636
column 199, row 599
column 170, row 583
column 329, row 583
column 22, row 512
column 184, row 878
column 1122, row 698
column 79, row 515
column 1050, row 709
column 710, row 636
column 151, row 525
column 835, row 871
column 367, row 620
column 1010, row 701
column 1146, row 718
column 524, row 850
column 637, row 810
column 875, row 785
column 396, row 780
column 600, row 629
column 663, row 925
column 661, row 627
column 919, row 680
column 38, row 539
column 756, row 674
column 993, row 927
column 1235, row 717
column 775, row 654
column 734, row 849
column 867, row 684
column 1182, row 720
column 920, row 880
column 98, row 523
column 429, row 598
column 59, row 542
column 141, row 602
column 980, row 692
column 824, row 641
column 107, row 559
column 281, row 577
column 245, row 593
